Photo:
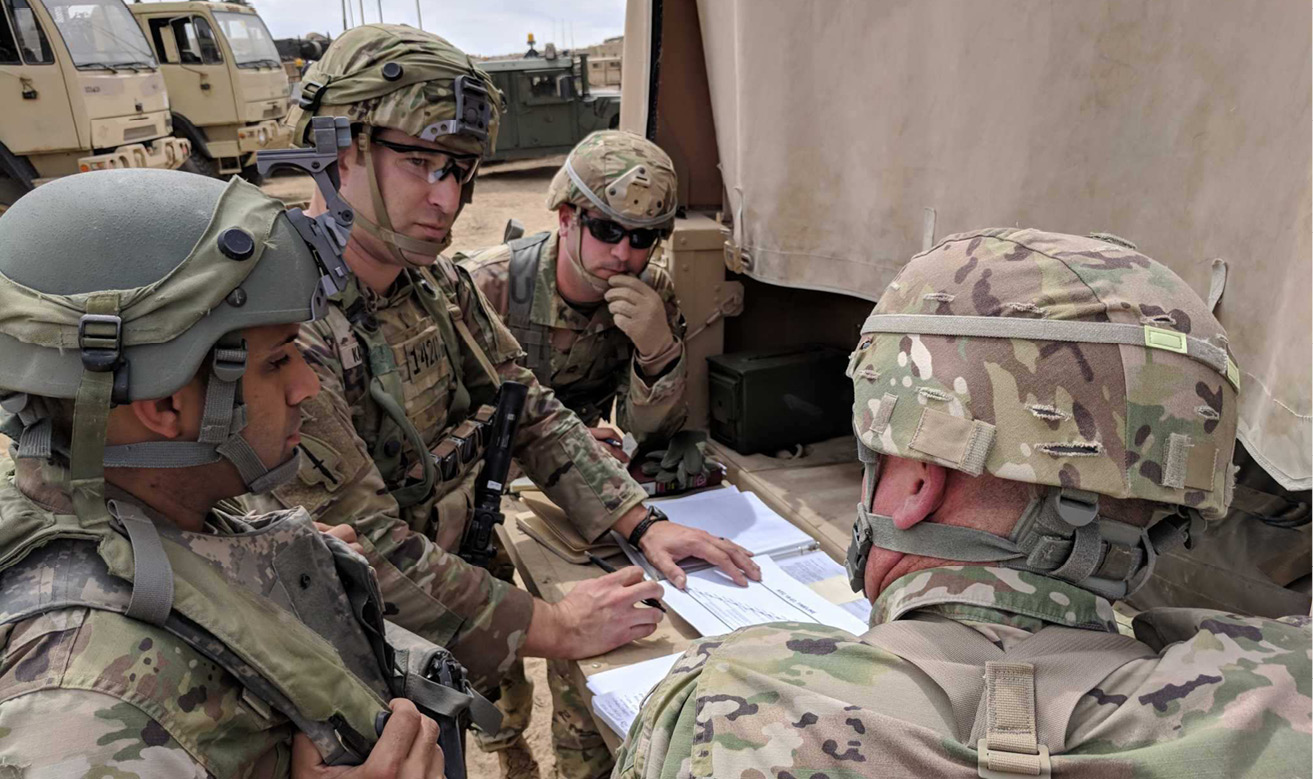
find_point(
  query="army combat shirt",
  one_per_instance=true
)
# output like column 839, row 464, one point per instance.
column 588, row 348
column 1225, row 696
column 430, row 591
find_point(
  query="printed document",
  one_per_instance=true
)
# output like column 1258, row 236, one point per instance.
column 715, row 605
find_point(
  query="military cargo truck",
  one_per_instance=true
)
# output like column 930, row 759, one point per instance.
column 549, row 104
column 226, row 82
column 79, row 90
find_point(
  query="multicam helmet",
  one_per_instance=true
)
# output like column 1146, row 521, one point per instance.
column 626, row 177
column 623, row 175
column 1074, row 363
column 395, row 76
column 152, row 282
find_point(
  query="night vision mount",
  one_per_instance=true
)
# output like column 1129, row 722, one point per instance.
column 326, row 234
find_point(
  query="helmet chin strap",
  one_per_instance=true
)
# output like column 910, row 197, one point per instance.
column 1059, row 534
column 598, row 283
column 397, row 243
column 222, row 421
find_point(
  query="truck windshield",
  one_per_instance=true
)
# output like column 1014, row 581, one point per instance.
column 101, row 34
column 248, row 38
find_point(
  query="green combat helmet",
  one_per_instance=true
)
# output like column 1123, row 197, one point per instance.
column 126, row 304
column 1074, row 363
column 398, row 77
column 624, row 176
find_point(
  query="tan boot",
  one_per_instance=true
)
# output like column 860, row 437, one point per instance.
column 517, row 761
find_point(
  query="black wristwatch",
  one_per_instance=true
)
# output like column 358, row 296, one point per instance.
column 654, row 515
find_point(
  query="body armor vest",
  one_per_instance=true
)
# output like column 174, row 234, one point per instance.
column 589, row 399
column 295, row 615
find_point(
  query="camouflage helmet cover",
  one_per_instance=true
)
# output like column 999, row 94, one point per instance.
column 393, row 75
column 625, row 176
column 1147, row 411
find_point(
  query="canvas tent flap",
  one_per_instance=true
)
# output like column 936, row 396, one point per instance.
column 839, row 124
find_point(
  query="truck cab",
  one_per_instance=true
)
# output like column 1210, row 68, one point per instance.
column 549, row 104
column 80, row 90
column 226, row 82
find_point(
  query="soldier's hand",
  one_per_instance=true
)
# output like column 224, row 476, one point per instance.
column 610, row 438
column 407, row 749
column 601, row 614
column 344, row 533
column 666, row 543
column 640, row 313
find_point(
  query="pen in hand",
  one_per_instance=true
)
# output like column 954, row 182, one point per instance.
column 605, row 566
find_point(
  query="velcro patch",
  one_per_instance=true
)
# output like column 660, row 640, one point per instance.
column 320, row 464
column 962, row 442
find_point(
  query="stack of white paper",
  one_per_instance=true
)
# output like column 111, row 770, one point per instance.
column 714, row 605
column 740, row 517
column 618, row 694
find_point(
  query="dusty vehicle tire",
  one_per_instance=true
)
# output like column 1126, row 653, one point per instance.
column 199, row 163
column 10, row 191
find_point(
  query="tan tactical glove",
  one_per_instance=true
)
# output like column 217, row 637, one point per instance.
column 640, row 313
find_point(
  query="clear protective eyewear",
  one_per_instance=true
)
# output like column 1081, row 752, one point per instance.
column 431, row 165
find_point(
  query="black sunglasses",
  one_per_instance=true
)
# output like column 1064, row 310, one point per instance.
column 607, row 231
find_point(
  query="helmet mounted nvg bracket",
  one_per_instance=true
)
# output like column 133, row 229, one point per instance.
column 326, row 234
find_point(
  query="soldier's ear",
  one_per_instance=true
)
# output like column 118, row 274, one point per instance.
column 920, row 491
column 168, row 418
column 565, row 219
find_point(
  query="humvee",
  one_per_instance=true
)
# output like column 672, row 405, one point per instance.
column 549, row 104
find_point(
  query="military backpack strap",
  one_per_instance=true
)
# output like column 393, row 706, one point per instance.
column 69, row 572
column 1014, row 705
column 522, row 277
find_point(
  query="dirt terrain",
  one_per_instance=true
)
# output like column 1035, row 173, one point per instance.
column 518, row 190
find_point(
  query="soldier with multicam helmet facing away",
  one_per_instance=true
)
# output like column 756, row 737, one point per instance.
column 148, row 370
column 409, row 354
column 599, row 324
column 1030, row 444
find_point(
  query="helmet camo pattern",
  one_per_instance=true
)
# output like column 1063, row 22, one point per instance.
column 1122, row 420
column 623, row 175
column 393, row 75
column 1074, row 363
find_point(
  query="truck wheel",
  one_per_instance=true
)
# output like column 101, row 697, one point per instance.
column 199, row 163
column 252, row 174
column 10, row 191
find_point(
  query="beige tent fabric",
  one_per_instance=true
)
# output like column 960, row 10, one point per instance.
column 852, row 130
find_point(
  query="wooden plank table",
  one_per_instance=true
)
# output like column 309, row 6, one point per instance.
column 817, row 492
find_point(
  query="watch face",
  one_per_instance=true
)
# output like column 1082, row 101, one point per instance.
column 656, row 514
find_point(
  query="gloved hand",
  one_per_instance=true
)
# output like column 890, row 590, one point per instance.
column 680, row 461
column 640, row 313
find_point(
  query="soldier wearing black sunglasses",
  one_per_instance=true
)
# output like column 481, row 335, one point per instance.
column 600, row 324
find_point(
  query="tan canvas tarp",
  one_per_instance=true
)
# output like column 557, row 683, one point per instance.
column 849, row 131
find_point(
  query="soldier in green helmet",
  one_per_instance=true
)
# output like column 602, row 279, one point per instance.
column 1030, row 445
column 148, row 370
column 410, row 354
column 599, row 324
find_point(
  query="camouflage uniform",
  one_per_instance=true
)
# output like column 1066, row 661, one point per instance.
column 1085, row 369
column 1225, row 696
column 161, row 651
column 588, row 349
column 588, row 361
column 131, row 699
column 435, row 338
